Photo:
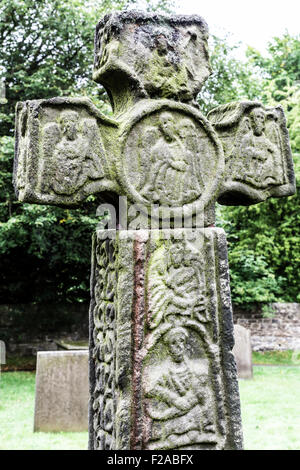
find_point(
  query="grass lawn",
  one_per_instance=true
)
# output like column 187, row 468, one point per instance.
column 270, row 412
column 287, row 357
column 271, row 408
column 16, row 418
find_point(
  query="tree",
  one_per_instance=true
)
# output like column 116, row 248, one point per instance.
column 264, row 240
column 47, row 50
column 231, row 79
column 282, row 63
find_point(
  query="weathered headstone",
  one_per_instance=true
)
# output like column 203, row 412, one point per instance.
column 162, row 373
column 2, row 353
column 242, row 352
column 62, row 391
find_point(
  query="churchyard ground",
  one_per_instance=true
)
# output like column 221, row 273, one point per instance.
column 270, row 412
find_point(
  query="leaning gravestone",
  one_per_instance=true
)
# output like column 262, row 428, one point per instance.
column 62, row 391
column 162, row 373
column 242, row 352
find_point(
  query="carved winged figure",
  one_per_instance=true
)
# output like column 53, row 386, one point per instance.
column 175, row 286
column 174, row 171
column 258, row 156
column 79, row 144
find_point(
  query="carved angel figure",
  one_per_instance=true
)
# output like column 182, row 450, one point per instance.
column 174, row 177
column 177, row 397
column 175, row 286
column 166, row 183
column 72, row 152
column 262, row 156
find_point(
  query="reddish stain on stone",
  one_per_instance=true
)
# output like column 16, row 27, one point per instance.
column 138, row 333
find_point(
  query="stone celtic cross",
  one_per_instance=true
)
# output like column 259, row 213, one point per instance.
column 162, row 374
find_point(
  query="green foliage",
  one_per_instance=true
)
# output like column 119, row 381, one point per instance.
column 231, row 79
column 282, row 63
column 47, row 50
column 252, row 280
column 44, row 250
column 264, row 239
column 286, row 357
column 6, row 164
column 264, row 250
column 268, row 311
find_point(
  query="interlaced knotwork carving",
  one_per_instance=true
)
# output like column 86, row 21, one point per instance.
column 104, row 400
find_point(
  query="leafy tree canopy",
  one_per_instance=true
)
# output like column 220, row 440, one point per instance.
column 46, row 51
column 264, row 239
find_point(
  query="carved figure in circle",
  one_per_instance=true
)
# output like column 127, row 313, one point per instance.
column 172, row 161
column 166, row 183
column 178, row 394
column 261, row 155
column 188, row 134
column 175, row 286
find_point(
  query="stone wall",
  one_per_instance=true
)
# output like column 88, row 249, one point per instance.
column 28, row 328
column 279, row 331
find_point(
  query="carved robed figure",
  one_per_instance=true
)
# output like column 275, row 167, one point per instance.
column 162, row 374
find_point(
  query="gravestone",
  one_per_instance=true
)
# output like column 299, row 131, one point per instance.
column 242, row 352
column 62, row 391
column 2, row 353
column 162, row 372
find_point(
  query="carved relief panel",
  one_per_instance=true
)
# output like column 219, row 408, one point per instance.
column 67, row 158
column 103, row 352
column 170, row 156
column 170, row 391
column 160, row 152
column 257, row 152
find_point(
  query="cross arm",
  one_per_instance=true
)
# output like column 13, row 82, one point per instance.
column 258, row 160
column 63, row 151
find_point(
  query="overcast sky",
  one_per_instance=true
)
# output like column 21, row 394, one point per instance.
column 254, row 22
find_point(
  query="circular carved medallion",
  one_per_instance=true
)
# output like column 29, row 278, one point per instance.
column 171, row 156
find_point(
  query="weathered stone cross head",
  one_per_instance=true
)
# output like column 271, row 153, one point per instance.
column 159, row 148
column 162, row 372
